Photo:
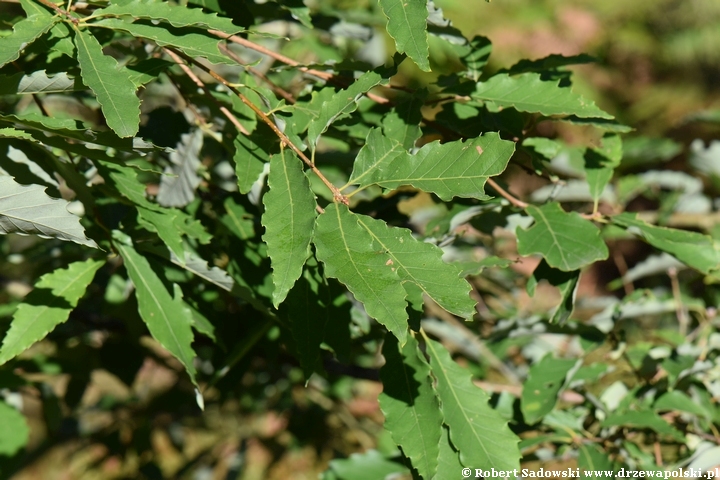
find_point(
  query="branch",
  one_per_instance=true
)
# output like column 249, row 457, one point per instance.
column 59, row 10
column 188, row 71
column 337, row 195
column 514, row 201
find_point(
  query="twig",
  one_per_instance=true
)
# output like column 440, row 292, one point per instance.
column 514, row 201
column 188, row 71
column 327, row 76
column 59, row 10
column 275, row 88
column 337, row 195
column 622, row 267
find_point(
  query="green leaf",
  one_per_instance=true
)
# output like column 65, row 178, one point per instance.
column 289, row 221
column 191, row 43
column 238, row 220
column 250, row 158
column 566, row 240
column 402, row 124
column 167, row 318
column 421, row 263
column 351, row 254
column 600, row 163
column 566, row 282
column 49, row 304
column 453, row 169
column 336, row 105
column 694, row 249
column 24, row 33
column 409, row 404
column 480, row 433
column 592, row 458
column 27, row 210
column 163, row 223
column 676, row 400
column 175, row 15
column 38, row 82
column 112, row 85
column 14, row 433
column 528, row 93
column 643, row 419
column 367, row 465
column 448, row 457
column 545, row 380
column 407, row 25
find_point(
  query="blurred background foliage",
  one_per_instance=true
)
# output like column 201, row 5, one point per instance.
column 133, row 415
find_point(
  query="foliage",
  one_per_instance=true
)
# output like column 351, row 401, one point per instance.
column 188, row 195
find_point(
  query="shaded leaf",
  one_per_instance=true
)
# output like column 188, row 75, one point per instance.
column 643, row 419
column 694, row 249
column 453, row 169
column 600, row 163
column 167, row 318
column 528, row 93
column 482, row 435
column 178, row 184
column 14, row 433
column 163, row 223
column 566, row 240
column 351, row 254
column 175, row 15
column 24, row 33
column 111, row 85
column 27, row 210
column 238, row 220
column 49, row 304
column 545, row 380
column 336, row 105
column 566, row 282
column 409, row 404
column 551, row 62
column 407, row 25
column 289, row 221
column 38, row 82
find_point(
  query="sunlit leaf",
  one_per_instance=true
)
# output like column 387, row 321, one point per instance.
column 24, row 33
column 407, row 25
column 566, row 240
column 476, row 429
column 545, row 380
column 54, row 296
column 289, row 221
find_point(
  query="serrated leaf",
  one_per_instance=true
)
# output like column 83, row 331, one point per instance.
column 448, row 458
column 14, row 133
column 14, row 433
column 298, row 10
column 453, row 169
column 600, row 163
column 551, row 62
column 407, row 25
column 24, row 33
column 566, row 240
column 481, row 434
column 566, row 282
column 27, row 210
column 49, row 304
column 250, row 158
column 178, row 184
column 124, row 179
column 175, row 15
column 191, row 43
column 409, row 404
column 336, row 105
column 38, row 82
column 350, row 254
column 421, row 263
column 289, row 221
column 528, row 93
column 111, row 85
column 238, row 220
column 196, row 265
column 545, row 380
column 643, row 419
column 166, row 317
column 696, row 250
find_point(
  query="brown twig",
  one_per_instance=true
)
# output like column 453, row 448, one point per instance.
column 188, row 71
column 513, row 201
column 622, row 267
column 327, row 76
column 337, row 195
column 59, row 10
column 275, row 88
